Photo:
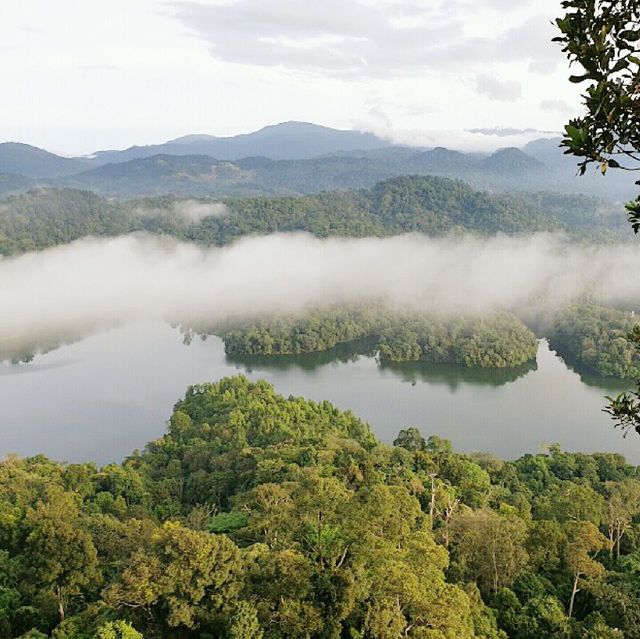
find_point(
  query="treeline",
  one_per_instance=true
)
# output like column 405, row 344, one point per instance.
column 595, row 338
column 432, row 205
column 256, row 516
column 497, row 341
column 48, row 217
column 318, row 330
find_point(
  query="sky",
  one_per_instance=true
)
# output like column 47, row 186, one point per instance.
column 76, row 77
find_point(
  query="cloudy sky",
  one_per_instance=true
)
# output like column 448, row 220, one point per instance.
column 80, row 76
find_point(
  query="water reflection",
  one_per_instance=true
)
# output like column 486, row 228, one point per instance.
column 449, row 375
column 453, row 376
column 613, row 385
column 342, row 353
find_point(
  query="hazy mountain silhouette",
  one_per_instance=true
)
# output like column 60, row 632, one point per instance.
column 30, row 161
column 285, row 141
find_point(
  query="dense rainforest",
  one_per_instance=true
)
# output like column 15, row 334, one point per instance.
column 497, row 341
column 47, row 217
column 260, row 516
column 596, row 338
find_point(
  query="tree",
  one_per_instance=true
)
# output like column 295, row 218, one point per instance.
column 602, row 36
column 118, row 630
column 585, row 541
column 62, row 556
column 622, row 505
column 244, row 623
column 185, row 577
column 411, row 439
column 489, row 548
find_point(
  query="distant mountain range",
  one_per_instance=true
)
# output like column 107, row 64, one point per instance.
column 32, row 162
column 285, row 141
column 294, row 158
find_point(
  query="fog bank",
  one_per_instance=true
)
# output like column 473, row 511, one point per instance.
column 192, row 211
column 101, row 282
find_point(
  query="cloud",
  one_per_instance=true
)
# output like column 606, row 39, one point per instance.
column 354, row 38
column 192, row 211
column 100, row 67
column 100, row 282
column 471, row 140
column 557, row 106
column 505, row 131
column 495, row 89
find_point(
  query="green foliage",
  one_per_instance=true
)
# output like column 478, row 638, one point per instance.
column 318, row 330
column 497, row 341
column 47, row 217
column 433, row 205
column 596, row 338
column 286, row 518
column 602, row 36
column 118, row 630
column 227, row 522
column 244, row 623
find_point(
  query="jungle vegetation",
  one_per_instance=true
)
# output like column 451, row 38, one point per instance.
column 47, row 217
column 596, row 338
column 497, row 341
column 260, row 516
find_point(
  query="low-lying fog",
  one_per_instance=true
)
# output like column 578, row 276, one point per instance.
column 94, row 283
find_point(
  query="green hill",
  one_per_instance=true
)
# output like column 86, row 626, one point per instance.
column 432, row 205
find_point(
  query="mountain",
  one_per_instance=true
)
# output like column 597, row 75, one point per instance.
column 11, row 184
column 30, row 161
column 443, row 161
column 511, row 161
column 548, row 151
column 507, row 169
column 273, row 161
column 204, row 175
column 615, row 185
column 285, row 141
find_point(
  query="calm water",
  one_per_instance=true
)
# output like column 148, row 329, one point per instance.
column 102, row 397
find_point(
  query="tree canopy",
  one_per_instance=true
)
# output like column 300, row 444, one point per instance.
column 264, row 517
column 603, row 37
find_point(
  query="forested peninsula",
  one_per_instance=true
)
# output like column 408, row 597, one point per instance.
column 596, row 338
column 264, row 517
column 497, row 341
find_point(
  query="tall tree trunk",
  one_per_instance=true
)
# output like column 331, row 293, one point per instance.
column 618, row 539
column 495, row 566
column 612, row 539
column 60, row 603
column 432, row 505
column 573, row 593
column 319, row 549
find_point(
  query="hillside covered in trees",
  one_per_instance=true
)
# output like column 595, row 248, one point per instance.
column 46, row 217
column 264, row 517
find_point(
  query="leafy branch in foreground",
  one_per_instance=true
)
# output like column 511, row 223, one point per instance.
column 603, row 36
column 625, row 408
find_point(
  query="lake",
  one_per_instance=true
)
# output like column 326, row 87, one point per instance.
column 104, row 396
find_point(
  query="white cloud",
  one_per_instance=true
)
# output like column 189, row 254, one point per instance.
column 503, row 90
column 353, row 38
column 102, row 282
column 557, row 106
column 88, row 76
